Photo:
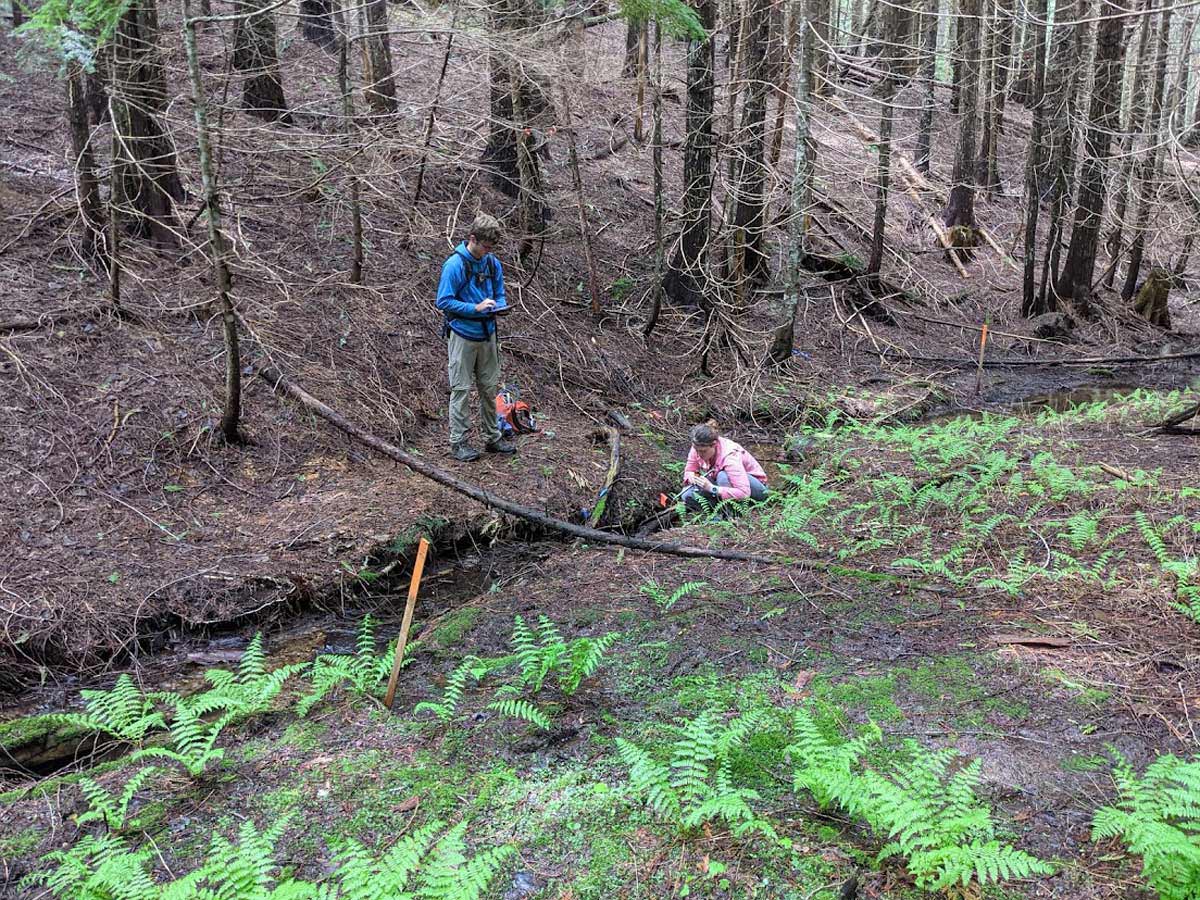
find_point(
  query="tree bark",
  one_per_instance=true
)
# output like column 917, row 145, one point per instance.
column 509, row 17
column 657, row 166
column 748, row 222
column 928, row 85
column 1031, row 304
column 1055, row 178
column 149, row 186
column 802, row 174
column 1021, row 88
column 1148, row 174
column 317, row 23
column 256, row 56
column 960, row 207
column 1134, row 124
column 786, row 41
column 18, row 14
column 1075, row 282
column 231, row 415
column 956, row 59
column 887, row 116
column 380, row 82
column 1000, row 44
column 633, row 41
column 346, row 89
column 685, row 278
column 87, row 185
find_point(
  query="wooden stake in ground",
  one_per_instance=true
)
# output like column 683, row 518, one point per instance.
column 979, row 368
column 402, row 641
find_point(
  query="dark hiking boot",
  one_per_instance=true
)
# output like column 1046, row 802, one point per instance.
column 464, row 452
column 501, row 446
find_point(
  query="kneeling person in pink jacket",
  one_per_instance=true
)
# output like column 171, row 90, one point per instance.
column 720, row 469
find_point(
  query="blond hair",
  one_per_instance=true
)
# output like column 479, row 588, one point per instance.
column 485, row 228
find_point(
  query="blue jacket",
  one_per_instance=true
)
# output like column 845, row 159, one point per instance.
column 465, row 282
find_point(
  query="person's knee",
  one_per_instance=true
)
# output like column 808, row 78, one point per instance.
column 722, row 480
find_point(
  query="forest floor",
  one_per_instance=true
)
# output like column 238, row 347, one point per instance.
column 992, row 590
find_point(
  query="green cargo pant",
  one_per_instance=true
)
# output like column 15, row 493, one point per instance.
column 473, row 363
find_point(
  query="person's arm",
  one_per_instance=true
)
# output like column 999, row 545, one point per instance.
column 501, row 298
column 693, row 467
column 454, row 276
column 739, row 481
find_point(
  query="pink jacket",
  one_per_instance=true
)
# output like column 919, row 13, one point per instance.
column 735, row 461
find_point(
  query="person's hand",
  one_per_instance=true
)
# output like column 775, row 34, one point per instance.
column 485, row 305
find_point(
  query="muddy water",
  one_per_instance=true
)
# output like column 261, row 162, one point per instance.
column 1061, row 401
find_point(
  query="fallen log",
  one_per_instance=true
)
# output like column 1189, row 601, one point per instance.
column 1173, row 423
column 282, row 384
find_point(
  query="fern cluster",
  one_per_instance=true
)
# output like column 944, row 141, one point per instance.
column 658, row 593
column 123, row 712
column 695, row 786
column 1186, row 572
column 544, row 652
column 421, row 866
column 537, row 655
column 926, row 809
column 362, row 673
column 1157, row 817
column 248, row 691
column 111, row 808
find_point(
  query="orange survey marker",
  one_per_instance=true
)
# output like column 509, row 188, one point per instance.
column 413, row 587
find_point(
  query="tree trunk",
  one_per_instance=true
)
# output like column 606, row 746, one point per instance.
column 149, row 186
column 928, row 86
column 1148, row 174
column 346, row 89
column 97, row 93
column 887, row 116
column 380, row 83
column 748, row 222
column 659, row 206
column 1054, row 181
column 1075, row 282
column 802, row 174
column 256, row 56
column 786, row 41
column 316, row 23
column 18, row 14
column 1134, row 124
column 993, row 117
column 1031, row 304
column 1021, row 87
column 960, row 208
column 685, row 278
column 500, row 154
column 956, row 58
column 231, row 415
column 87, row 186
column 633, row 32
column 1192, row 133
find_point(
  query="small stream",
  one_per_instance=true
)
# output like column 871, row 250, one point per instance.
column 448, row 582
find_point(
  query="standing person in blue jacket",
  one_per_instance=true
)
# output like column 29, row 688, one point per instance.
column 471, row 295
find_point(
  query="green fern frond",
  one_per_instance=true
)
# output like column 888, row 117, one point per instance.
column 111, row 808
column 523, row 710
